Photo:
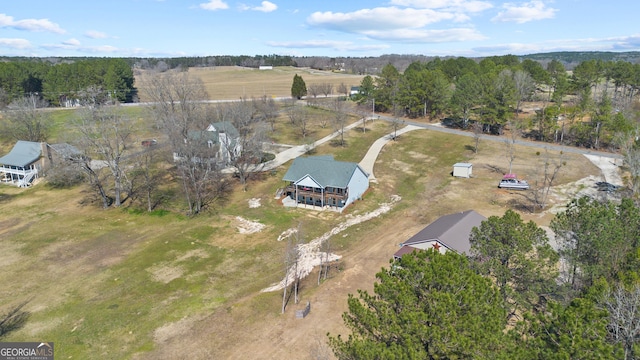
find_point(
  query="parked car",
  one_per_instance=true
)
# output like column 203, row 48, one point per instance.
column 148, row 143
column 607, row 187
column 510, row 181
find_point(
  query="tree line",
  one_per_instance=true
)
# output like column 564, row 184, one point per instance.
column 75, row 82
column 513, row 297
column 592, row 106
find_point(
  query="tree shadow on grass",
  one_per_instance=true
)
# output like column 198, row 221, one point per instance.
column 495, row 169
column 14, row 319
column 338, row 143
column 6, row 197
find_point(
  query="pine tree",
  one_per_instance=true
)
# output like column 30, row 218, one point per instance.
column 298, row 88
column 427, row 305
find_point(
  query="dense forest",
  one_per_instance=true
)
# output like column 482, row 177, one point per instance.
column 66, row 81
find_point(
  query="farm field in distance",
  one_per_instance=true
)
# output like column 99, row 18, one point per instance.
column 233, row 82
column 125, row 284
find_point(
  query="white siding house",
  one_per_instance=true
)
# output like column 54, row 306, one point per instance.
column 321, row 181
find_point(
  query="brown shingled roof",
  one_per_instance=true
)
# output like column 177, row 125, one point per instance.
column 451, row 230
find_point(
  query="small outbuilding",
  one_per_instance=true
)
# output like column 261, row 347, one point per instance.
column 462, row 170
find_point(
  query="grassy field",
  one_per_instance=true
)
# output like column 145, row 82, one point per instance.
column 232, row 82
column 122, row 284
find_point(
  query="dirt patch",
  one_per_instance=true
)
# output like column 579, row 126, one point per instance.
column 165, row 273
column 245, row 226
column 169, row 331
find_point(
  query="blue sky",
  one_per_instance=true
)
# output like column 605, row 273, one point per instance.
column 169, row 28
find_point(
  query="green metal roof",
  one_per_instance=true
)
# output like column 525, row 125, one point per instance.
column 226, row 127
column 323, row 169
column 204, row 136
column 23, row 154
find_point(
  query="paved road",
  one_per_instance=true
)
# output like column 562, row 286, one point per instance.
column 535, row 144
column 368, row 161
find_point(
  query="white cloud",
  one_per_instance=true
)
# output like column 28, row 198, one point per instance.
column 381, row 19
column 15, row 43
column 326, row 44
column 93, row 34
column 72, row 42
column 522, row 13
column 627, row 42
column 265, row 6
column 43, row 25
column 427, row 36
column 214, row 5
column 450, row 5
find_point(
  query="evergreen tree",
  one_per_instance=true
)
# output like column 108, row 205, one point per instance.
column 298, row 88
column 427, row 305
column 517, row 255
column 575, row 331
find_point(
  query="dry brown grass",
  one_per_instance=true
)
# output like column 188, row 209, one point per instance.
column 234, row 82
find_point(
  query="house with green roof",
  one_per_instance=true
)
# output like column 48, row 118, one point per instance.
column 28, row 161
column 321, row 181
column 21, row 165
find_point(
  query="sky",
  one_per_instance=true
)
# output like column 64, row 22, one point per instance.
column 343, row 28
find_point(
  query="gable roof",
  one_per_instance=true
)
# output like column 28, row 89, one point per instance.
column 224, row 127
column 64, row 150
column 203, row 137
column 324, row 170
column 452, row 230
column 22, row 154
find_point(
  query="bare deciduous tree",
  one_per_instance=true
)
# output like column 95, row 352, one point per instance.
column 547, row 173
column 326, row 89
column 178, row 104
column 145, row 177
column 291, row 262
column 245, row 151
column 340, row 117
column 95, row 176
column 314, row 90
column 510, row 141
column 26, row 120
column 525, row 86
column 477, row 129
column 106, row 136
column 268, row 108
column 299, row 117
column 624, row 318
column 343, row 89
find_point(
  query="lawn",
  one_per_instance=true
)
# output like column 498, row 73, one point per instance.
column 121, row 283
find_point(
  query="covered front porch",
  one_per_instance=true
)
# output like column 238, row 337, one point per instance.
column 317, row 196
column 18, row 176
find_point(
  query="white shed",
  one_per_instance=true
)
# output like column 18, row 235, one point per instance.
column 462, row 170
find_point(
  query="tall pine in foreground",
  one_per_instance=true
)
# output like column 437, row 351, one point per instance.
column 427, row 305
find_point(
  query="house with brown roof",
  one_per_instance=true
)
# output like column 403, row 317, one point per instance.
column 448, row 233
